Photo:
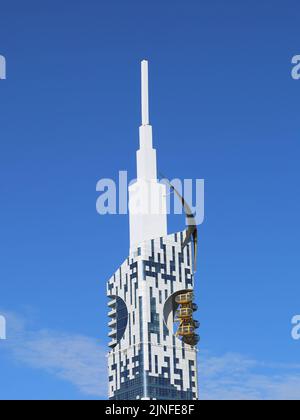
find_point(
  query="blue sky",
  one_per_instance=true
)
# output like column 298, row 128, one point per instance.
column 223, row 107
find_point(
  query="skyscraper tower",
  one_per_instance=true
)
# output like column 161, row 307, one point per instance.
column 153, row 336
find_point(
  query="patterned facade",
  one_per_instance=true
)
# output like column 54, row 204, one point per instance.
column 147, row 360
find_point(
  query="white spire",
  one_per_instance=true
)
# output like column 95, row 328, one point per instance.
column 145, row 93
column 147, row 197
column 146, row 156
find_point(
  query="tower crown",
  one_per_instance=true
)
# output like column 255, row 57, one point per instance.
column 147, row 197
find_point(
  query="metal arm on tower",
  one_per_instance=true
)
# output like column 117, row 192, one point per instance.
column 191, row 230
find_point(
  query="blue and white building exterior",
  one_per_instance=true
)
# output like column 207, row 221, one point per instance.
column 147, row 360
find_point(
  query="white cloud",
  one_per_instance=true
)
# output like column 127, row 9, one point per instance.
column 77, row 359
column 236, row 377
column 81, row 361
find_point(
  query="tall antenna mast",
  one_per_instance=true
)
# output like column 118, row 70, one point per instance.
column 145, row 93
